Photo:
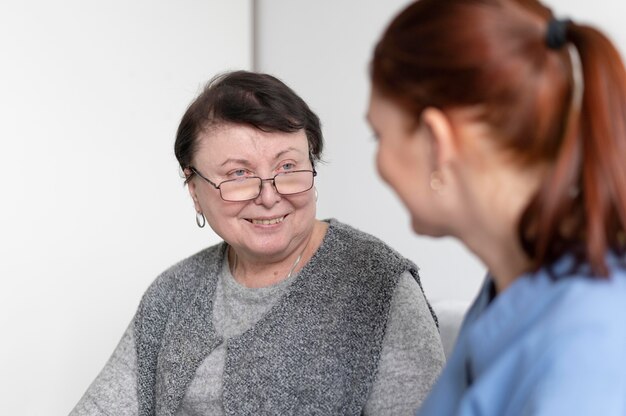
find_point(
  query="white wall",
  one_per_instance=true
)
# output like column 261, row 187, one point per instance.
column 91, row 93
column 322, row 49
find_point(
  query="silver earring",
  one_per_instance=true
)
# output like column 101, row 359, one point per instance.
column 200, row 220
column 436, row 182
column 316, row 194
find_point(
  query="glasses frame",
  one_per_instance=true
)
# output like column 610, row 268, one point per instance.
column 218, row 186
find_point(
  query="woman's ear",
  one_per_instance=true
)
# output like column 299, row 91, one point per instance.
column 191, row 187
column 441, row 134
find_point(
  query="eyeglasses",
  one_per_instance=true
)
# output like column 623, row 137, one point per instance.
column 245, row 189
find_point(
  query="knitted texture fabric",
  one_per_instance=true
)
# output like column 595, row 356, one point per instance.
column 315, row 352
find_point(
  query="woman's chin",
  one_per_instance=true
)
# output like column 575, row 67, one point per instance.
column 423, row 228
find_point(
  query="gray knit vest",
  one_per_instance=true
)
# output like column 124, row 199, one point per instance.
column 314, row 353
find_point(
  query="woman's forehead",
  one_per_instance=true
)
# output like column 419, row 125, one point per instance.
column 244, row 143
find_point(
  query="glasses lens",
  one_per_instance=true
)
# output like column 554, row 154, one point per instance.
column 294, row 182
column 240, row 189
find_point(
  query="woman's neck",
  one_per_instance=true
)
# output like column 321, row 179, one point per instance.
column 504, row 258
column 492, row 230
column 255, row 272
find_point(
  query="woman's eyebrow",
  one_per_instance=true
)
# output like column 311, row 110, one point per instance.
column 289, row 149
column 244, row 162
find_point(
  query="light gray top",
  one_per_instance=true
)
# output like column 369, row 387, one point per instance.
column 410, row 361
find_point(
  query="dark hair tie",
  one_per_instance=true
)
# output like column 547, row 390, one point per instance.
column 556, row 37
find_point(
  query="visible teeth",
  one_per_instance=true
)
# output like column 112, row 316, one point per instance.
column 269, row 222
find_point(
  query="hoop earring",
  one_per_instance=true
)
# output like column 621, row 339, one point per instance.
column 316, row 194
column 436, row 182
column 200, row 220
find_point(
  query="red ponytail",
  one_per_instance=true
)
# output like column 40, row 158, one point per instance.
column 493, row 54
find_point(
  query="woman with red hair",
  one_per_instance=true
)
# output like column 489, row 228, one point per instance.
column 505, row 127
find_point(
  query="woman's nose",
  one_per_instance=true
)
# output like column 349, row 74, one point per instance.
column 268, row 195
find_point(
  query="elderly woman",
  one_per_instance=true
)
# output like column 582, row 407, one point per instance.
column 289, row 315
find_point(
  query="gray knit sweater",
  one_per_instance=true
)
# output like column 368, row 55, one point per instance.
column 316, row 351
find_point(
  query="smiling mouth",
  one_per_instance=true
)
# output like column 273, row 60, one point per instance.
column 267, row 221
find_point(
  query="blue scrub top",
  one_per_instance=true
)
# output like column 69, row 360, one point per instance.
column 541, row 347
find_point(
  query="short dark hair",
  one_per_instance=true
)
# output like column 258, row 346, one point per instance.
column 250, row 98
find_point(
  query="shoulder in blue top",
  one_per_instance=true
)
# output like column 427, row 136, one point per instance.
column 542, row 347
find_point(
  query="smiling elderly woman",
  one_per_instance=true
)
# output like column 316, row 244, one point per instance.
column 289, row 315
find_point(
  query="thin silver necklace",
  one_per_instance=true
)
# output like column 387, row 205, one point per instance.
column 293, row 267
column 227, row 301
